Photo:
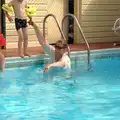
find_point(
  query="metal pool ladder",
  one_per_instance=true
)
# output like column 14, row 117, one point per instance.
column 81, row 31
column 62, row 34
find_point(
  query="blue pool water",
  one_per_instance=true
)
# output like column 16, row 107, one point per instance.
column 28, row 94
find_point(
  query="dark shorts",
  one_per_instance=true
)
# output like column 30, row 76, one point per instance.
column 20, row 23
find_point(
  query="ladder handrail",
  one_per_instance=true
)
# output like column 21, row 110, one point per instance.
column 44, row 21
column 80, row 29
column 62, row 34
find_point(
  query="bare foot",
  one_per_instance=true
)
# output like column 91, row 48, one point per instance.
column 21, row 55
column 27, row 54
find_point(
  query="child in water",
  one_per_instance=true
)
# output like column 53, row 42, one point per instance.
column 58, row 56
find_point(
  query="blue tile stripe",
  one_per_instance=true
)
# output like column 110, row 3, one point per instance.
column 79, row 55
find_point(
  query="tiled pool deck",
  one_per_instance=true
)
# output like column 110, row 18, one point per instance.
column 39, row 51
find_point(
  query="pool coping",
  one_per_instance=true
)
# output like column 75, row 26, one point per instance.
column 79, row 55
column 83, row 51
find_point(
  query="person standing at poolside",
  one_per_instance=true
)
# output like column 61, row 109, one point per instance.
column 2, row 62
column 20, row 24
column 58, row 56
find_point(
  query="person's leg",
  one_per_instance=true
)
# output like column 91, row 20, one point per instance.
column 20, row 39
column 18, row 26
column 2, row 62
column 25, row 43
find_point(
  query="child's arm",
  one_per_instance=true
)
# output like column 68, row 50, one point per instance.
column 39, row 35
column 55, row 64
column 26, row 4
column 2, row 62
column 43, row 42
column 7, row 14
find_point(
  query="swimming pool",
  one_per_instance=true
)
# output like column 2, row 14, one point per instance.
column 26, row 94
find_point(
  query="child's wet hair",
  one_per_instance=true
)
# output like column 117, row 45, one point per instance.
column 61, row 44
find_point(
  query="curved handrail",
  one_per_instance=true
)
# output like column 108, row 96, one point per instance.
column 62, row 34
column 86, row 42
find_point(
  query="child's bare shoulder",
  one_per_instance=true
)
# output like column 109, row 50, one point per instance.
column 11, row 2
